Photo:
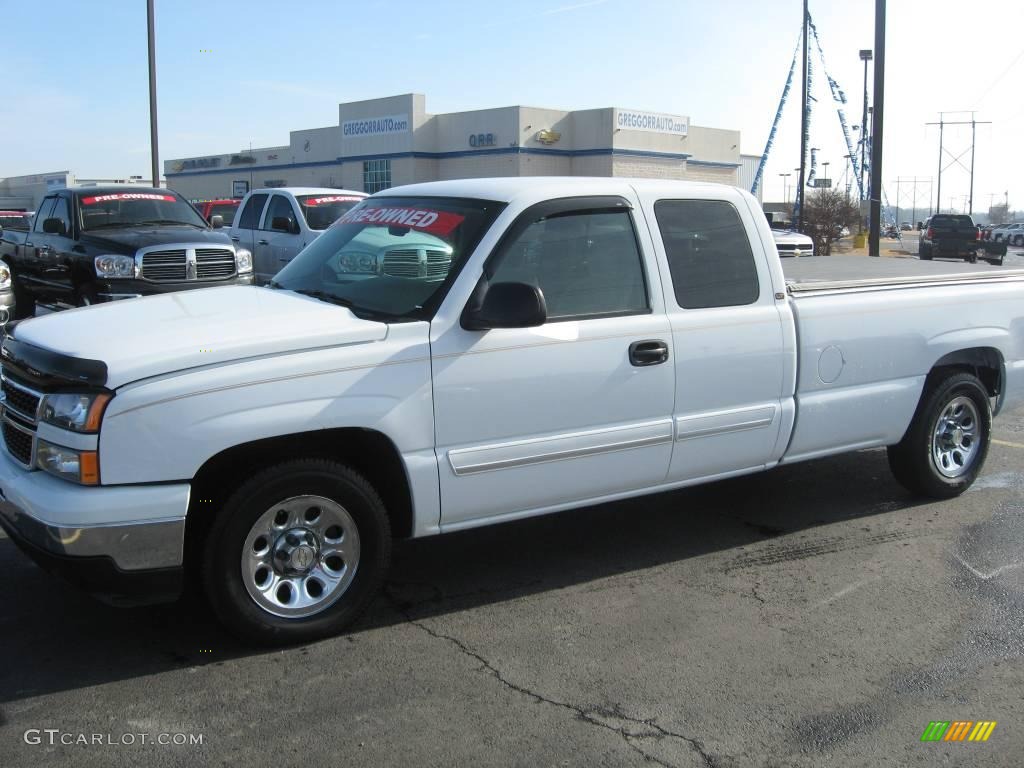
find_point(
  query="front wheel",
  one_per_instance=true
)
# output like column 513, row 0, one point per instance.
column 297, row 553
column 924, row 252
column 945, row 447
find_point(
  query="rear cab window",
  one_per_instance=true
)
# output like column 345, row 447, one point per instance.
column 250, row 216
column 709, row 254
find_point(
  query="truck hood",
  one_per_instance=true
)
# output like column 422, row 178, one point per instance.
column 130, row 239
column 139, row 338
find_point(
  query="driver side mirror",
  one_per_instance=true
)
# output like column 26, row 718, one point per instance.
column 216, row 221
column 507, row 305
column 54, row 227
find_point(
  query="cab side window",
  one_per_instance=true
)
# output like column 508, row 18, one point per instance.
column 280, row 207
column 62, row 211
column 43, row 213
column 250, row 218
column 708, row 253
column 586, row 263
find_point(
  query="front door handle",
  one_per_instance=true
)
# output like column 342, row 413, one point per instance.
column 651, row 352
column 261, row 242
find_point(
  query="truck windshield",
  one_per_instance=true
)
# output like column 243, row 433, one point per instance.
column 320, row 211
column 391, row 257
column 129, row 209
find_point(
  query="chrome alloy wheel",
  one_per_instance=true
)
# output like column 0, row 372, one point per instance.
column 300, row 556
column 955, row 439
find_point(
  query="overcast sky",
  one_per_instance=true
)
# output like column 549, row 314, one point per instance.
column 231, row 73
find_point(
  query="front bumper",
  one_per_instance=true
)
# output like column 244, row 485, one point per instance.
column 112, row 290
column 123, row 544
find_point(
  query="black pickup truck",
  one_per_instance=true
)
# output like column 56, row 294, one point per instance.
column 956, row 236
column 95, row 244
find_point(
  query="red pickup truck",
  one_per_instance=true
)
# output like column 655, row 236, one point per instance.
column 224, row 208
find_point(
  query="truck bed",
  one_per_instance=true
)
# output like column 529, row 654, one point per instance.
column 857, row 273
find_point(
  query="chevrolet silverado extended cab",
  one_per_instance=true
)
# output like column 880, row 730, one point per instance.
column 96, row 244
column 546, row 344
column 275, row 224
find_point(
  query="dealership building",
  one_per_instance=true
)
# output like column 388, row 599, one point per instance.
column 392, row 141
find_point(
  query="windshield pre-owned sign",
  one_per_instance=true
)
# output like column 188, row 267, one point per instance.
column 375, row 126
column 652, row 122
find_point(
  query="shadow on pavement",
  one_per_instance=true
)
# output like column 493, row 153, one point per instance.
column 53, row 639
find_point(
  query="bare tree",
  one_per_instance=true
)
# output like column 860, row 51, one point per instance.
column 826, row 213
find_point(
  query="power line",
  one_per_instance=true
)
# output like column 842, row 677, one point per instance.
column 1002, row 74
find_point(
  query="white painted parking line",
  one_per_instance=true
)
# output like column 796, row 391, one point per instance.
column 986, row 576
column 1007, row 443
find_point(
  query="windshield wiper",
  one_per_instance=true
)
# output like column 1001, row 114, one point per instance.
column 172, row 221
column 330, row 298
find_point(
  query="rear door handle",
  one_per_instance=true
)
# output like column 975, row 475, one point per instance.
column 651, row 352
column 261, row 242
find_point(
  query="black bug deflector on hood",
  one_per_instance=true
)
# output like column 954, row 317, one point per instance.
column 46, row 369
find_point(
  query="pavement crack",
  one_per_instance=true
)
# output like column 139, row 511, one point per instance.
column 628, row 728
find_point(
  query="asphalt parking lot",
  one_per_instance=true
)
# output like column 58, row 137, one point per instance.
column 816, row 614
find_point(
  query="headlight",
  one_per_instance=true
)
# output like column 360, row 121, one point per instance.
column 363, row 263
column 77, row 466
column 5, row 277
column 79, row 413
column 243, row 258
column 113, row 265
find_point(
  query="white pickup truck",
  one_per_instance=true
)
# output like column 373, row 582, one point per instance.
column 275, row 224
column 457, row 354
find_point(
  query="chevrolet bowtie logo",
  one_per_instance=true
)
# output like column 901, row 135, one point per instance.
column 547, row 136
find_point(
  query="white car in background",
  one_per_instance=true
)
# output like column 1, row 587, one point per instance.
column 1011, row 234
column 275, row 224
column 789, row 242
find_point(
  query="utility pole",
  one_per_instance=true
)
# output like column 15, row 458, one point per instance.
column 942, row 124
column 154, row 150
column 876, row 131
column 803, row 129
column 897, row 201
column 970, row 208
column 938, row 190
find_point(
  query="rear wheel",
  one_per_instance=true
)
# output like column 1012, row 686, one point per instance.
column 945, row 447
column 925, row 252
column 297, row 553
column 24, row 303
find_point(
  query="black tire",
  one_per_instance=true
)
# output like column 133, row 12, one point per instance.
column 1018, row 240
column 971, row 258
column 925, row 252
column 24, row 304
column 222, row 572
column 86, row 296
column 912, row 461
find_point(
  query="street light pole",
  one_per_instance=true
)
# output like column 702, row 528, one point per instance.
column 876, row 131
column 153, row 147
column 785, row 186
column 865, row 56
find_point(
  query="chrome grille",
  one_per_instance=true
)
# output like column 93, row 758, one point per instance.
column 18, row 421
column 214, row 263
column 164, row 266
column 417, row 262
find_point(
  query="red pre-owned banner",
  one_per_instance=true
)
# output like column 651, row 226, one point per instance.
column 434, row 222
column 128, row 196
column 331, row 199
